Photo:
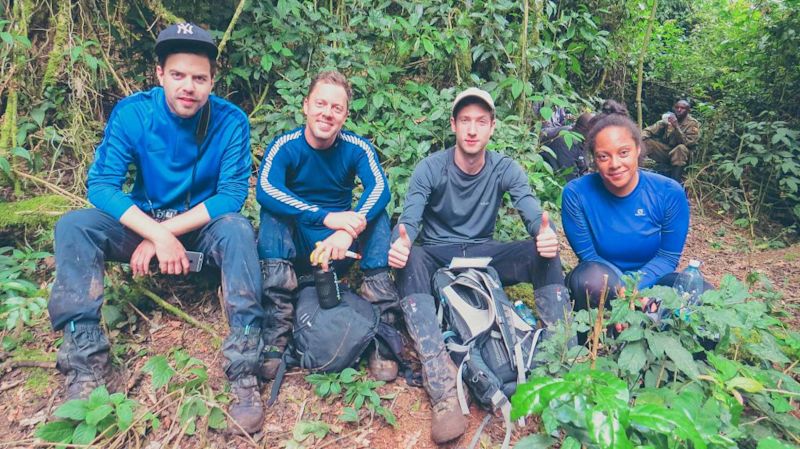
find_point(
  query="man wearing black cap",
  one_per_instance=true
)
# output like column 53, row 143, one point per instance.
column 451, row 208
column 191, row 151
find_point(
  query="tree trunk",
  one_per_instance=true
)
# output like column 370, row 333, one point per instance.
column 640, row 69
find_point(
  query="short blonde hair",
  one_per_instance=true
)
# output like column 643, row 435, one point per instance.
column 332, row 77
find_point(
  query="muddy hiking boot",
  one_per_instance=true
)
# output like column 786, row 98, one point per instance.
column 553, row 305
column 379, row 289
column 246, row 408
column 279, row 283
column 242, row 349
column 439, row 373
column 84, row 360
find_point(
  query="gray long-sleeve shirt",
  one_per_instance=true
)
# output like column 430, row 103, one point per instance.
column 451, row 206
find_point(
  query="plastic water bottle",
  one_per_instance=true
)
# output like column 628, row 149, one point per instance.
column 689, row 283
column 525, row 313
column 689, row 286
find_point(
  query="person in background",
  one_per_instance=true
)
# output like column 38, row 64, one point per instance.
column 567, row 156
column 670, row 141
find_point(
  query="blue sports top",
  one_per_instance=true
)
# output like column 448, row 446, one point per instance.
column 142, row 131
column 299, row 181
column 643, row 231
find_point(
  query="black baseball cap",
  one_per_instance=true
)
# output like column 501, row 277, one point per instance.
column 185, row 36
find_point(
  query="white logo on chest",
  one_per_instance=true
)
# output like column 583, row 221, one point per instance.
column 639, row 212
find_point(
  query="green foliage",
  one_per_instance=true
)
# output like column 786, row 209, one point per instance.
column 689, row 378
column 99, row 418
column 21, row 301
column 356, row 391
column 200, row 406
column 308, row 433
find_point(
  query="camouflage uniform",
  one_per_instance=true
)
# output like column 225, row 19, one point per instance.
column 668, row 145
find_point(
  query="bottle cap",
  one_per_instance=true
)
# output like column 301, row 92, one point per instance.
column 694, row 263
column 517, row 302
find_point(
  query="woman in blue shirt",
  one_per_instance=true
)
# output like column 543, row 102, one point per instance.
column 621, row 220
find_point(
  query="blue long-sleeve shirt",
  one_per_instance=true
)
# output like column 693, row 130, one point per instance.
column 643, row 231
column 144, row 132
column 299, row 181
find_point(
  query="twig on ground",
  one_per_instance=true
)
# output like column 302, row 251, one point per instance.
column 178, row 312
column 598, row 324
column 12, row 364
column 10, row 385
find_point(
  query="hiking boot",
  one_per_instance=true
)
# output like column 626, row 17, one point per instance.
column 84, row 360
column 447, row 422
column 553, row 305
column 242, row 350
column 379, row 289
column 439, row 373
column 246, row 408
column 381, row 368
column 279, row 283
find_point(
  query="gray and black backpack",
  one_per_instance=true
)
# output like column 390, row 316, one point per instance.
column 486, row 338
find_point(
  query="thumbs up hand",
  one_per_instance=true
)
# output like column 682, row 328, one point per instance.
column 400, row 249
column 546, row 240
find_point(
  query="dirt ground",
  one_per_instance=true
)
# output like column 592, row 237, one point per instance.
column 29, row 394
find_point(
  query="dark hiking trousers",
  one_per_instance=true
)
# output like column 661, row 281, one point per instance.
column 85, row 239
column 515, row 262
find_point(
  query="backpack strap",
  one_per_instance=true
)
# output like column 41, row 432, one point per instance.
column 500, row 401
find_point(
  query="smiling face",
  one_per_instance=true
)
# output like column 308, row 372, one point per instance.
column 473, row 126
column 187, row 82
column 616, row 156
column 326, row 110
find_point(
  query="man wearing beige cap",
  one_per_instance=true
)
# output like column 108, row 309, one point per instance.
column 450, row 210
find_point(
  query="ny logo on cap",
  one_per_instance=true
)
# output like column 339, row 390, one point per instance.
column 185, row 28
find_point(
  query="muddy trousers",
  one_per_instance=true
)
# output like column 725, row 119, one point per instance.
column 85, row 239
column 284, row 247
column 284, row 238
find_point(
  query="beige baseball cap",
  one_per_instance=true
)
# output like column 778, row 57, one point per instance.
column 476, row 93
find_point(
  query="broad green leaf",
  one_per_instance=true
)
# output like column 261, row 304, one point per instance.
column 516, row 88
column 682, row 358
column 605, row 429
column 667, row 422
column 84, row 433
column 348, row 375
column 772, row 443
column 358, row 104
column 160, row 371
column 546, row 112
column 633, row 357
column 98, row 397
column 305, row 428
column 537, row 441
column 377, row 101
column 745, row 384
column 726, row 368
column 349, row 414
column 56, row 431
column 124, row 415
column 428, row 45
column 387, row 415
column 74, row 409
column 216, row 419
column 94, row 416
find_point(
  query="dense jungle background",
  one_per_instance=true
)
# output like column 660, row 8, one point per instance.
column 65, row 64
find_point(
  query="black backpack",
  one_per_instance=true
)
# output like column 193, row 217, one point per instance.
column 330, row 340
column 486, row 338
